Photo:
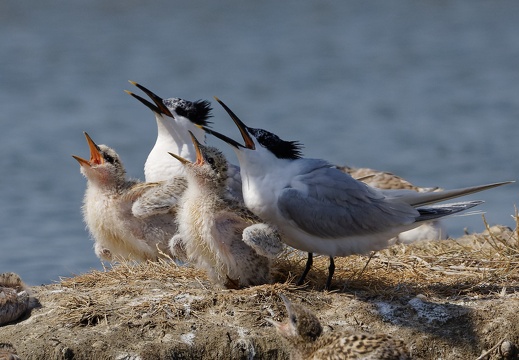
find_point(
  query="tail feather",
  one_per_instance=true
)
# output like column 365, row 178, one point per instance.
column 438, row 211
column 416, row 199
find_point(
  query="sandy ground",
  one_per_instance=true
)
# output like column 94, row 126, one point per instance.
column 453, row 299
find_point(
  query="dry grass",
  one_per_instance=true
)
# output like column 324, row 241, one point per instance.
column 483, row 264
column 158, row 293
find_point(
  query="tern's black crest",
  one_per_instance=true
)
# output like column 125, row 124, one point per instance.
column 281, row 148
column 198, row 111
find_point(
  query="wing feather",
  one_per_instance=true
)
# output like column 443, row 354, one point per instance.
column 329, row 203
column 159, row 198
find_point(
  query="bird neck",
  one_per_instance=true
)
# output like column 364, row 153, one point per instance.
column 204, row 184
column 176, row 134
column 262, row 177
column 171, row 137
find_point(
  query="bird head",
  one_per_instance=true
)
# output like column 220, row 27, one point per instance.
column 210, row 164
column 104, row 163
column 258, row 139
column 301, row 324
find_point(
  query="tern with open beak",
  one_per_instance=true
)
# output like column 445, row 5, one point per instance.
column 175, row 119
column 320, row 209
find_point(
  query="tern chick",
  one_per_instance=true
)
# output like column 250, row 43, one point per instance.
column 320, row 209
column 430, row 230
column 303, row 332
column 14, row 298
column 126, row 218
column 219, row 234
column 175, row 119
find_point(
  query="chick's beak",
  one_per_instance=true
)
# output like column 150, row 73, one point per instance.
column 95, row 155
column 81, row 161
column 95, row 152
column 155, row 98
column 199, row 155
column 179, row 158
column 249, row 144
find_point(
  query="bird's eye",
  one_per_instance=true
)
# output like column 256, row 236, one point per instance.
column 210, row 160
column 109, row 158
column 293, row 319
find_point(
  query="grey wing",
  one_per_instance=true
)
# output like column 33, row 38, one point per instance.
column 331, row 204
column 233, row 183
column 160, row 199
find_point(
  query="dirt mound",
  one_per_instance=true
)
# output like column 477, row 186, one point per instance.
column 453, row 299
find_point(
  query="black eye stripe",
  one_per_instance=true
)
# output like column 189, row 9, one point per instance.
column 109, row 158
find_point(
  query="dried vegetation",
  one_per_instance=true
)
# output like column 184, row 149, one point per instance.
column 448, row 299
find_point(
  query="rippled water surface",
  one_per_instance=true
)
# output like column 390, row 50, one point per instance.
column 428, row 90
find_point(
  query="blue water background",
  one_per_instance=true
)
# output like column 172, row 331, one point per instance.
column 426, row 89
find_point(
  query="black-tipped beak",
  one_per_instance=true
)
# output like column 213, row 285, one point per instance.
column 155, row 98
column 151, row 106
column 249, row 144
column 228, row 140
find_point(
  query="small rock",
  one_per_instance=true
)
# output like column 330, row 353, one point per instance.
column 508, row 349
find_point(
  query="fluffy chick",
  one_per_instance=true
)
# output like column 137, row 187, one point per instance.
column 127, row 219
column 219, row 234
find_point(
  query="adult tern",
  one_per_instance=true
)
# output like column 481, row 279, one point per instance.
column 320, row 209
column 175, row 118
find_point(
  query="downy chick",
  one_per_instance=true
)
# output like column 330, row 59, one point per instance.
column 219, row 234
column 127, row 219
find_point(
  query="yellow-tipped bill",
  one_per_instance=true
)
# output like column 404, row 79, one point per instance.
column 249, row 143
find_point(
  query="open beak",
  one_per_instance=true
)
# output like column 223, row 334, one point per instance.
column 249, row 144
column 81, row 161
column 155, row 98
column 95, row 154
column 228, row 140
column 179, row 158
column 283, row 328
column 151, row 106
column 199, row 156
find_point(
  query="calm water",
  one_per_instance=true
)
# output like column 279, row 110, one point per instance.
column 428, row 90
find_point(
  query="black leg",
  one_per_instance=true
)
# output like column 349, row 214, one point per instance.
column 309, row 263
column 331, row 270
